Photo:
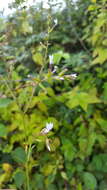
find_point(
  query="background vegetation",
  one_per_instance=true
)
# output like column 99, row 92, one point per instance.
column 71, row 94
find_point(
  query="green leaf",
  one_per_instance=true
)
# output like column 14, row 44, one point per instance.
column 91, row 8
column 83, row 144
column 102, row 123
column 91, row 141
column 4, row 102
column 68, row 149
column 93, row 1
column 104, row 96
column 57, row 56
column 19, row 178
column 55, row 143
column 37, row 58
column 37, row 181
column 3, row 130
column 102, row 56
column 64, row 176
column 81, row 98
column 79, row 187
column 42, row 107
column 103, row 185
column 48, row 169
column 102, row 140
column 26, row 28
column 19, row 155
column 50, row 91
column 89, row 181
column 99, row 162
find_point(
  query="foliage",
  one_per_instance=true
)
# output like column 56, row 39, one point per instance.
column 72, row 155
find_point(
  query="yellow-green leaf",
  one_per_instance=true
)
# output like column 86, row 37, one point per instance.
column 102, row 56
column 81, row 99
column 37, row 58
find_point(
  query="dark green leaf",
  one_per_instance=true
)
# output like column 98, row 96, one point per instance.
column 19, row 155
column 19, row 178
column 89, row 181
column 4, row 102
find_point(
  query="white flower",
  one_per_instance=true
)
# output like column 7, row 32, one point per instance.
column 59, row 78
column 51, row 59
column 48, row 128
column 73, row 75
column 55, row 21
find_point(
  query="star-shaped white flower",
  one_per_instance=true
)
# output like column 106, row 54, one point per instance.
column 56, row 21
column 74, row 75
column 51, row 59
column 48, row 128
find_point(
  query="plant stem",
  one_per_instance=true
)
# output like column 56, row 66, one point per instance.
column 29, row 151
column 27, row 177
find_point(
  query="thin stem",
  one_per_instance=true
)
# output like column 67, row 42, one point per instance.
column 49, row 30
column 45, row 57
column 29, row 102
column 29, row 151
column 27, row 177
